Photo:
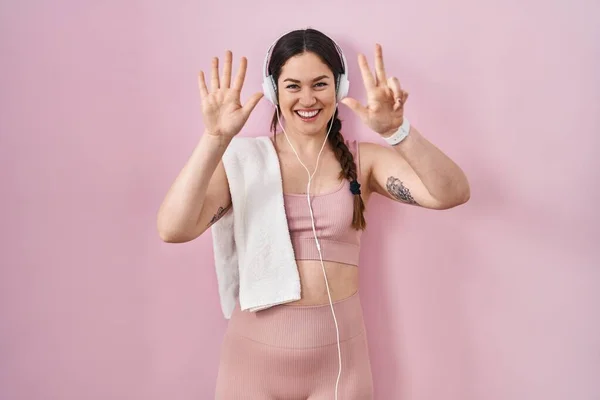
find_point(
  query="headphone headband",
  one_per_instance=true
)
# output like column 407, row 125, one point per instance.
column 270, row 86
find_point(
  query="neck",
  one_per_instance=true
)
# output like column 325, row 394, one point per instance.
column 309, row 145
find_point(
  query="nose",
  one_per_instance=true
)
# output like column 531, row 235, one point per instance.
column 307, row 98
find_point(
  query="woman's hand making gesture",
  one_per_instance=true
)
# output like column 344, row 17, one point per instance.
column 384, row 111
column 222, row 110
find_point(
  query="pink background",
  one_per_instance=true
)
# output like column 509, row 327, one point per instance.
column 99, row 110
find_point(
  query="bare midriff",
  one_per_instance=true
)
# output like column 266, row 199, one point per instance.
column 342, row 278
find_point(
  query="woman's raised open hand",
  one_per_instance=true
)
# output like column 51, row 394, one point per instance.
column 222, row 110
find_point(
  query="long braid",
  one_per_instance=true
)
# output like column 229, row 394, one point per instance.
column 346, row 160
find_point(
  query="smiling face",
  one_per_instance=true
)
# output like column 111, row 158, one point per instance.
column 306, row 91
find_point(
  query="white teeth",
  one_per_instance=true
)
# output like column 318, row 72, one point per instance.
column 307, row 114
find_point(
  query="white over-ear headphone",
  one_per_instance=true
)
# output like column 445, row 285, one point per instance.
column 270, row 86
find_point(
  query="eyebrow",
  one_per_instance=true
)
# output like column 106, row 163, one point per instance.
column 314, row 80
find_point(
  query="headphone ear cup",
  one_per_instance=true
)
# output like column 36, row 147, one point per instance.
column 269, row 89
column 343, row 87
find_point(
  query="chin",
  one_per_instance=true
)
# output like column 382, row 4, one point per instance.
column 310, row 127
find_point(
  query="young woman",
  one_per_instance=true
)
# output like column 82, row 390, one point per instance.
column 301, row 350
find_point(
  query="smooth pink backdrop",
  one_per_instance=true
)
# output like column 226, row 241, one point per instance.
column 99, row 110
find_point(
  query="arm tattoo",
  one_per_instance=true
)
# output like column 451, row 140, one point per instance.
column 396, row 188
column 220, row 212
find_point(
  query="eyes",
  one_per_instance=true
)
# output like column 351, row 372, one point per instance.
column 319, row 85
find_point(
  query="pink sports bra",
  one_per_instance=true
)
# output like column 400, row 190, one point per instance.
column 332, row 212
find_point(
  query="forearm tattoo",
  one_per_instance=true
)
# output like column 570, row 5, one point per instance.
column 396, row 188
column 220, row 212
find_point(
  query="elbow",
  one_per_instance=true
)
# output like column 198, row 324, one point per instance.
column 166, row 232
column 460, row 197
column 172, row 234
column 465, row 195
column 166, row 235
column 173, row 237
column 462, row 192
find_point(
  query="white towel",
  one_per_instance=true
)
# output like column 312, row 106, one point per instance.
column 254, row 257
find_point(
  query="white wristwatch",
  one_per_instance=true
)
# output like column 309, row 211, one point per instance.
column 400, row 134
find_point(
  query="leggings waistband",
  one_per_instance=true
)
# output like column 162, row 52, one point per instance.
column 291, row 326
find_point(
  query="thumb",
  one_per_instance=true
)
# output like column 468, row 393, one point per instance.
column 355, row 106
column 252, row 102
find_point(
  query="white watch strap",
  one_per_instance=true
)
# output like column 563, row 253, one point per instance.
column 400, row 134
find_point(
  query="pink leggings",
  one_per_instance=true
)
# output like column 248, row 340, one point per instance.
column 291, row 353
